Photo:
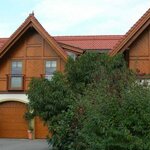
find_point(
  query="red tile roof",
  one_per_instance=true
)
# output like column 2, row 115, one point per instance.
column 97, row 42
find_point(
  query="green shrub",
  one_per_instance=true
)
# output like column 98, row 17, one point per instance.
column 96, row 104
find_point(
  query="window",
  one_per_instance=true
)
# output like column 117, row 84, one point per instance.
column 72, row 55
column 16, row 67
column 50, row 68
column 16, row 80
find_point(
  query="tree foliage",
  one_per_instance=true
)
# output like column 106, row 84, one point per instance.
column 95, row 104
column 47, row 95
column 116, row 121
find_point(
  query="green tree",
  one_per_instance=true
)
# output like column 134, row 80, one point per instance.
column 96, row 103
column 47, row 95
column 115, row 121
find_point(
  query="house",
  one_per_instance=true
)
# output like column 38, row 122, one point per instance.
column 32, row 52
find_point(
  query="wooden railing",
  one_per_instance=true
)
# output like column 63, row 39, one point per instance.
column 15, row 82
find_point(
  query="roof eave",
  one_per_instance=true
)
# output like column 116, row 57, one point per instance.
column 132, row 34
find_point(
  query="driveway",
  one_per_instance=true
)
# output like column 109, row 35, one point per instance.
column 23, row 144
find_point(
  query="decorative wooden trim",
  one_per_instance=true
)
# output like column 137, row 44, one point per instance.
column 132, row 34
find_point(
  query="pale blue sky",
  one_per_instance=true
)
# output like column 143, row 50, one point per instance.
column 73, row 17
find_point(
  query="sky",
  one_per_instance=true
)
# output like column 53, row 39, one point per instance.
column 73, row 17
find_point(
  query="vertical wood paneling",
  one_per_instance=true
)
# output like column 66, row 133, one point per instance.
column 139, row 54
column 33, row 50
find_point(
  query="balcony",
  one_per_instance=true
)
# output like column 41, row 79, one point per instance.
column 15, row 82
column 48, row 77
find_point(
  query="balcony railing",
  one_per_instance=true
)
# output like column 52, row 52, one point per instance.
column 48, row 77
column 15, row 82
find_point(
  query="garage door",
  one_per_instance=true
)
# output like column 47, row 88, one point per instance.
column 12, row 122
column 41, row 130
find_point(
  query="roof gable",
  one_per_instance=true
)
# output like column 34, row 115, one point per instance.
column 32, row 22
column 132, row 34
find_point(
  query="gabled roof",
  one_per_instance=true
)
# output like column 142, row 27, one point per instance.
column 31, row 21
column 132, row 34
column 95, row 42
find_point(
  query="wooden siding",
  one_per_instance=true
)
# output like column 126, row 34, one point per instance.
column 139, row 53
column 33, row 51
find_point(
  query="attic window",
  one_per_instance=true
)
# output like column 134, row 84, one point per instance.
column 72, row 55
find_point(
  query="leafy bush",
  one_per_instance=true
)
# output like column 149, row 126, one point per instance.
column 116, row 122
column 47, row 95
column 95, row 104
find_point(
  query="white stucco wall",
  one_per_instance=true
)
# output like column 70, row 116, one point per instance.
column 14, row 97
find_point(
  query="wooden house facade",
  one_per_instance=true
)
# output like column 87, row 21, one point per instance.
column 32, row 52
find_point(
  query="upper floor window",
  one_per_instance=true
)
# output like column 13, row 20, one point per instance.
column 16, row 78
column 50, row 68
column 72, row 55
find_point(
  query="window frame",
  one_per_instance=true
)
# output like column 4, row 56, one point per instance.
column 15, row 75
column 12, row 64
column 74, row 55
column 46, row 76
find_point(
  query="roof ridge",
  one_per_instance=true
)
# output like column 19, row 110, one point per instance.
column 68, row 36
column 82, row 38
